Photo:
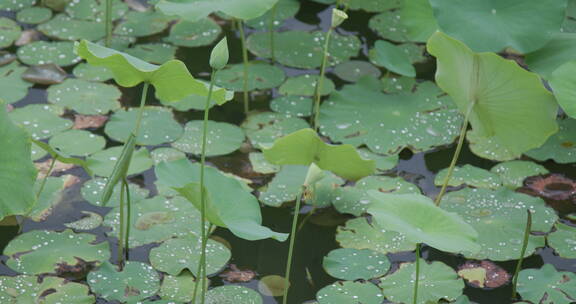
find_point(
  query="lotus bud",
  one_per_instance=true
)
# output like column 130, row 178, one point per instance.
column 338, row 17
column 219, row 55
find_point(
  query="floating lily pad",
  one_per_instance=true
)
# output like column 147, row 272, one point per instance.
column 272, row 285
column 560, row 147
column 361, row 114
column 233, row 294
column 512, row 173
column 94, row 10
column 85, row 97
column 392, row 57
column 178, row 288
column 41, row 251
column 263, row 128
column 285, row 186
column 436, row 281
column 134, row 282
column 285, row 9
column 193, row 10
column 298, row 106
column 157, row 126
column 359, row 234
column 42, row 52
column 305, row 85
column 141, row 24
column 12, row 87
column 41, row 120
column 353, row 264
column 193, row 34
column 51, row 195
column 353, row 70
column 37, row 152
column 89, row 221
column 547, row 285
column 10, row 32
column 350, row 292
column 92, row 192
column 418, row 18
column 65, row 28
column 92, row 73
column 77, row 142
column 45, row 74
column 153, row 52
column 302, row 49
column 398, row 84
column 414, row 51
column 166, row 154
column 499, row 216
column 383, row 162
column 483, row 274
column 175, row 255
column 16, row 5
column 223, row 138
column 261, row 165
column 389, row 26
column 102, row 162
column 471, row 176
column 563, row 242
column 260, row 76
column 374, row 6
column 50, row 290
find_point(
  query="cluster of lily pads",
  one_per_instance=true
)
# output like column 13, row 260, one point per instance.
column 339, row 112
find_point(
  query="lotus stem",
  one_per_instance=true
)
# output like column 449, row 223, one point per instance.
column 291, row 246
column 456, row 155
column 417, row 279
column 46, row 177
column 121, row 230
column 319, row 83
column 245, row 62
column 522, row 253
column 108, row 23
column 128, row 215
column 271, row 31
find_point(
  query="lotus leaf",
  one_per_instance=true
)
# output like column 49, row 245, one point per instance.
column 77, row 142
column 92, row 73
column 292, row 105
column 471, row 176
column 547, row 285
column 193, row 34
column 260, row 76
column 285, row 186
column 285, row 9
column 560, row 147
column 353, row 264
column 166, row 154
column 10, row 32
column 436, row 281
column 157, row 126
column 350, row 292
column 305, row 85
column 45, row 74
column 563, row 84
column 41, row 251
column 102, row 162
column 261, row 165
column 193, row 10
column 392, row 57
column 65, row 28
column 92, row 192
column 359, row 234
column 85, row 97
column 383, row 162
column 60, row 53
column 15, row 5
column 41, row 120
column 51, row 290
column 512, row 173
column 233, row 294
column 139, row 24
column 223, row 138
column 153, row 52
column 134, row 282
column 398, row 84
column 418, row 18
column 499, row 216
column 178, row 288
column 49, row 197
column 353, row 70
column 37, row 152
column 94, row 10
column 560, row 49
column 272, row 285
column 89, row 221
column 12, row 87
column 389, row 26
column 198, row 102
column 505, row 104
column 263, row 128
column 563, row 241
column 373, row 6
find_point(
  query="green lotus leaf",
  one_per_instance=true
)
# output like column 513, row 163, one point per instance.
column 50, row 196
column 236, row 207
column 37, row 152
column 17, row 173
column 45, row 74
column 193, row 10
column 153, row 52
column 563, row 241
column 512, row 173
column 265, row 127
column 12, row 87
column 223, row 138
column 92, row 73
column 389, row 26
column 89, row 221
column 305, row 147
column 51, row 290
column 198, row 102
column 374, row 6
column 383, row 162
column 63, row 158
column 85, row 97
column 421, row 221
column 161, row 154
column 353, row 70
column 10, row 32
column 503, row 106
column 491, row 26
column 175, row 255
column 102, row 162
column 260, row 76
column 362, row 114
column 499, row 216
column 345, row 292
column 436, row 281
column 563, row 84
column 171, row 80
column 560, row 147
column 304, row 50
column 359, row 234
column 178, row 288
column 41, row 120
column 77, row 142
column 305, row 85
column 417, row 17
column 94, row 10
column 134, row 282
column 92, row 192
column 471, row 176
column 60, row 53
column 140, row 24
column 353, row 264
column 398, row 84
column 63, row 27
column 292, row 105
column 261, row 165
column 157, row 219
column 41, row 251
column 560, row 49
column 547, row 285
column 15, row 5
column 193, row 34
column 233, row 294
column 392, row 57
column 285, row 9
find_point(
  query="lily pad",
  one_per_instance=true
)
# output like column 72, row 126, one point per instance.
column 60, row 53
column 389, row 26
column 547, row 285
column 292, row 105
column 353, row 264
column 233, row 294
column 260, row 76
column 157, row 126
column 193, row 10
column 94, row 10
column 436, row 281
column 359, row 234
column 134, row 282
column 41, row 251
column 198, row 102
column 383, row 162
column 51, row 195
column 398, row 84
column 302, row 49
column 350, row 292
column 418, row 18
column 45, row 74
column 562, row 83
column 475, row 22
column 471, row 176
column 563, row 242
column 285, row 186
column 194, row 34
column 92, row 73
column 77, row 142
column 92, row 192
column 263, row 128
column 10, row 32
column 353, row 70
column 362, row 114
column 285, row 9
column 175, row 255
column 499, row 216
column 89, row 221
column 305, row 85
column 178, row 288
column 223, row 138
column 140, row 24
column 41, row 120
column 512, row 173
column 374, row 6
column 102, row 162
column 560, row 147
column 153, row 52
column 15, row 5
column 65, row 28
column 12, row 87
column 166, row 154
column 392, row 57
column 85, row 97
column 50, row 290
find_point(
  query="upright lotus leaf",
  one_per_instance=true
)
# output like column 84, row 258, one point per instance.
column 493, row 25
column 236, row 207
column 134, row 282
column 547, row 285
column 17, row 173
column 559, row 50
column 305, row 147
column 421, row 221
column 50, row 290
column 347, row 292
column 359, row 234
column 563, row 83
column 194, row 10
column 353, row 264
column 563, row 240
column 418, row 18
column 171, row 80
column 504, row 99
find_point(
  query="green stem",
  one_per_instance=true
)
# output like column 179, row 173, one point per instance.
column 522, row 253
column 291, row 246
column 108, row 23
column 245, row 62
column 141, row 110
column 319, row 83
column 417, row 279
column 46, row 178
column 201, row 272
column 121, row 230
column 271, row 30
column 456, row 155
column 128, row 221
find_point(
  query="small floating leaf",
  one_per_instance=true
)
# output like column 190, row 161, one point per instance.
column 12, row 87
column 233, row 294
column 305, row 85
column 261, row 165
column 41, row 120
column 285, row 9
column 92, row 192
column 272, row 285
column 260, row 76
column 51, row 290
column 563, row 241
column 560, row 147
column 65, row 28
column 392, row 57
column 223, row 138
column 353, row 264
column 389, row 26
column 194, row 34
column 547, row 285
column 193, row 10
column 158, row 126
column 92, row 73
column 292, row 105
column 89, row 221
column 140, row 24
column 134, row 282
column 418, row 19
column 85, row 97
column 10, row 32
column 45, row 74
column 263, row 128
column 512, row 173
column 471, row 176
column 359, row 234
column 353, row 70
column 102, row 162
column 166, row 154
column 350, row 292
column 42, row 52
column 178, row 288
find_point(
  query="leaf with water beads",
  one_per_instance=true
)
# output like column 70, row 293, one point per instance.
column 140, row 24
column 89, row 221
column 157, row 53
column 353, row 70
column 194, row 34
column 389, row 26
column 223, row 138
column 305, row 85
column 261, row 165
column 77, row 142
column 92, row 73
column 400, row 84
column 193, row 10
column 260, row 76
column 563, row 241
column 178, row 288
column 346, row 292
column 63, row 27
column 285, row 9
column 292, row 105
column 357, row 233
column 85, row 97
column 161, row 154
column 285, row 185
column 418, row 19
column 265, row 127
column 392, row 57
column 471, row 176
column 102, row 162
column 51, row 196
column 374, row 6
column 12, row 87
column 560, row 147
column 512, row 173
column 233, row 294
column 60, row 53
column 95, row 10
column 41, row 251
column 51, row 290
column 353, row 264
column 436, row 281
column 92, row 192
column 41, row 120
column 15, row 5
column 134, row 282
column 547, row 285
column 10, row 32
column 383, row 162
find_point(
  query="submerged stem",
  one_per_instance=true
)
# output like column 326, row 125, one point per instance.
column 46, row 178
column 291, row 246
column 456, row 155
column 522, row 252
column 271, row 31
column 417, row 279
column 319, row 83
column 108, row 23
column 245, row 63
